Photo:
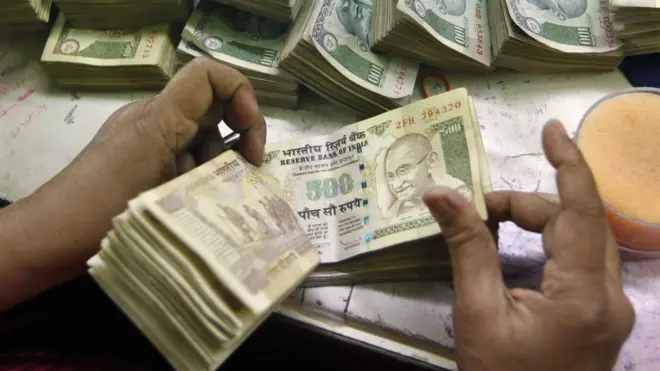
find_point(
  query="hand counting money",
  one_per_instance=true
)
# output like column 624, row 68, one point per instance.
column 199, row 262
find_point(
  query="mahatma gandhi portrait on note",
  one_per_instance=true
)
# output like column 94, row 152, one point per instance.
column 452, row 7
column 405, row 170
column 562, row 9
column 354, row 16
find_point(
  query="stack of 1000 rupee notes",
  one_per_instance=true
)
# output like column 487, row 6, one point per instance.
column 109, row 59
column 199, row 262
column 638, row 25
column 248, row 42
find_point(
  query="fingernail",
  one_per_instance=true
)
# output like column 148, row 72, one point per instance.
column 559, row 125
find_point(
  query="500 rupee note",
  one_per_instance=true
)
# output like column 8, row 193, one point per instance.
column 360, row 188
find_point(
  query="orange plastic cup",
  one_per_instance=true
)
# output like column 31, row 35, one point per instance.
column 620, row 139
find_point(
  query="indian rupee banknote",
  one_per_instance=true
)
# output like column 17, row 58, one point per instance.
column 572, row 26
column 105, row 47
column 459, row 24
column 237, row 37
column 236, row 221
column 341, row 32
column 360, row 189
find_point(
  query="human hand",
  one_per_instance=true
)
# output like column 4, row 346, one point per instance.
column 580, row 318
column 60, row 226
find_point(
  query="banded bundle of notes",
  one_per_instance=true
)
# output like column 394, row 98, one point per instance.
column 447, row 34
column 638, row 25
column 200, row 261
column 281, row 10
column 24, row 15
column 248, row 42
column 358, row 191
column 113, row 14
column 189, row 269
column 108, row 59
column 544, row 36
column 328, row 51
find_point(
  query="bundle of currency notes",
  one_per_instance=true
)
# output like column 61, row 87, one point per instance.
column 199, row 262
column 553, row 36
column 281, row 10
column 106, row 59
column 448, row 34
column 638, row 25
column 113, row 14
column 358, row 191
column 328, row 51
column 20, row 16
column 248, row 42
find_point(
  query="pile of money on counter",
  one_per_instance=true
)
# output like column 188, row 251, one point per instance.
column 109, row 59
column 638, row 25
column 249, row 42
column 199, row 262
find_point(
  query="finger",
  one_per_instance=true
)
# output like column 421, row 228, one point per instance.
column 211, row 146
column 579, row 237
column 193, row 90
column 252, row 136
column 529, row 211
column 577, row 189
column 253, row 139
column 477, row 276
column 185, row 162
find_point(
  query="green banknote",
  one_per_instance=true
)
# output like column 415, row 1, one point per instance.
column 459, row 24
column 572, row 26
column 105, row 47
column 341, row 32
column 360, row 188
column 237, row 37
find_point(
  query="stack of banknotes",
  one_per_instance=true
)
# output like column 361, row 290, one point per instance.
column 328, row 51
column 358, row 191
column 248, row 42
column 112, row 14
column 20, row 16
column 188, row 266
column 553, row 36
column 281, row 10
column 448, row 34
column 638, row 25
column 199, row 262
column 109, row 59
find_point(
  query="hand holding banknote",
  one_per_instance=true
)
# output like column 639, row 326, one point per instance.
column 580, row 318
column 140, row 146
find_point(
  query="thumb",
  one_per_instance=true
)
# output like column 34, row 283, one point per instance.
column 477, row 276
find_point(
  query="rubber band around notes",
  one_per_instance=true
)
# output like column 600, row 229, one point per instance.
column 430, row 76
